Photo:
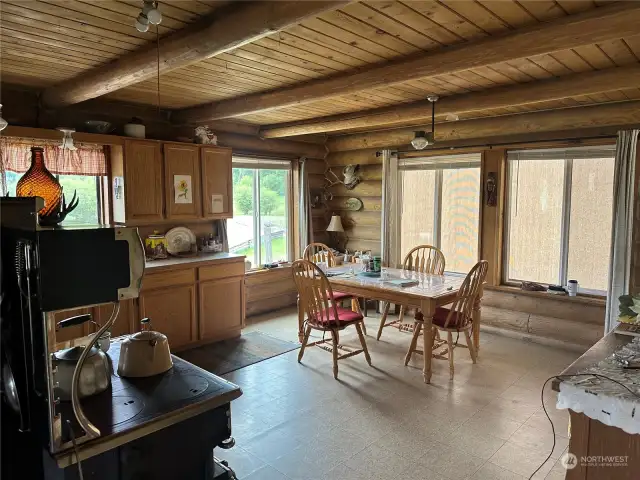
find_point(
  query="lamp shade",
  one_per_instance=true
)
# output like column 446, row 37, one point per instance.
column 335, row 225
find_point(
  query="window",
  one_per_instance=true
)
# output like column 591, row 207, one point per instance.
column 440, row 206
column 559, row 216
column 88, row 189
column 261, row 219
column 82, row 170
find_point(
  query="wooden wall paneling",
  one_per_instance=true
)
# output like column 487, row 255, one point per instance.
column 270, row 290
column 492, row 217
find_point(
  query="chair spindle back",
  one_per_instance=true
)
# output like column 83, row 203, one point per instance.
column 425, row 259
column 315, row 293
column 460, row 314
column 319, row 252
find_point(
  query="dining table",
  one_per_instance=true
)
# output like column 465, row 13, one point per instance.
column 425, row 291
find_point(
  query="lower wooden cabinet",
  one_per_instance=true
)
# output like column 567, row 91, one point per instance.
column 221, row 308
column 172, row 311
column 125, row 322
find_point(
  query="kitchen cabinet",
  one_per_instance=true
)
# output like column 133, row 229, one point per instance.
column 143, row 192
column 69, row 333
column 217, row 183
column 172, row 311
column 144, row 176
column 126, row 321
column 182, row 169
column 221, row 308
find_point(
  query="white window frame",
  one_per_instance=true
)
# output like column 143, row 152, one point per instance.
column 260, row 163
column 561, row 154
column 439, row 164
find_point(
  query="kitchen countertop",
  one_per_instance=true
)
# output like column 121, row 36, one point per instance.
column 206, row 258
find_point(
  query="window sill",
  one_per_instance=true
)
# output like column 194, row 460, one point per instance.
column 580, row 299
column 264, row 271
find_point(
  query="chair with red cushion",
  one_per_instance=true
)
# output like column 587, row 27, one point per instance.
column 457, row 318
column 322, row 313
column 319, row 252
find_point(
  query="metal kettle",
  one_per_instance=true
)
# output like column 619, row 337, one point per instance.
column 145, row 353
column 95, row 373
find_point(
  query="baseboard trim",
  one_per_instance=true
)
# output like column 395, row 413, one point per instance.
column 528, row 337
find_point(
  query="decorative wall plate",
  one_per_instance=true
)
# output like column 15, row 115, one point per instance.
column 179, row 240
column 353, row 204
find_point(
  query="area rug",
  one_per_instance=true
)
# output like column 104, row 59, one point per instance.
column 229, row 355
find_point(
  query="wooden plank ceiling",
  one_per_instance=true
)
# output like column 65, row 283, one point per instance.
column 48, row 41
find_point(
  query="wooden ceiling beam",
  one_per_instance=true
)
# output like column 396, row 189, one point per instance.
column 417, row 113
column 597, row 25
column 219, row 33
column 575, row 118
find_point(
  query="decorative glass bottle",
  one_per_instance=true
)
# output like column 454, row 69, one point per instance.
column 39, row 182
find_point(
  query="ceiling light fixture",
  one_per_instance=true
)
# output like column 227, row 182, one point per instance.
column 150, row 15
column 423, row 139
column 3, row 122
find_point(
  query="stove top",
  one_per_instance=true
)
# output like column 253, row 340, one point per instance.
column 133, row 402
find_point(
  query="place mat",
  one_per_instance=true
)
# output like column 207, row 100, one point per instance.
column 229, row 355
column 604, row 400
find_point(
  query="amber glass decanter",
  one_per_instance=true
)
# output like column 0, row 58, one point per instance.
column 39, row 182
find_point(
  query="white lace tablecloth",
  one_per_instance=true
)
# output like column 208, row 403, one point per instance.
column 603, row 400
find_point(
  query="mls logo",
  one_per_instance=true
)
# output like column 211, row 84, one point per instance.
column 569, row 461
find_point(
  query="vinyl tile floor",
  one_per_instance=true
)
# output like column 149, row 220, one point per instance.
column 295, row 422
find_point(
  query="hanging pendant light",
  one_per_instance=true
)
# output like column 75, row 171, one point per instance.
column 3, row 122
column 150, row 15
column 422, row 139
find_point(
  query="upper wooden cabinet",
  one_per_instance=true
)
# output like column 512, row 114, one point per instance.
column 217, row 183
column 182, row 180
column 147, row 175
column 143, row 192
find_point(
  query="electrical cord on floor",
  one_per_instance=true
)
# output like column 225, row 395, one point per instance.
column 553, row 431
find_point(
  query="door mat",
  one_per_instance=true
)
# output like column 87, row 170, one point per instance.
column 229, row 355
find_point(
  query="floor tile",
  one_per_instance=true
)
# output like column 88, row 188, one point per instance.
column 523, row 461
column 242, row 462
column 265, row 473
column 540, row 439
column 490, row 471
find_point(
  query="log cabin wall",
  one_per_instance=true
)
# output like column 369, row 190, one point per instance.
column 571, row 322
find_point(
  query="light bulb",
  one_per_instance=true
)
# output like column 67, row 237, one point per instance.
column 3, row 122
column 154, row 16
column 142, row 24
column 152, row 13
column 420, row 141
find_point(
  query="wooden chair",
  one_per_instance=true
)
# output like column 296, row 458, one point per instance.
column 425, row 259
column 323, row 313
column 457, row 318
column 319, row 252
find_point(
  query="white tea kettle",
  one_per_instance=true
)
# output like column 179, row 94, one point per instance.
column 145, row 353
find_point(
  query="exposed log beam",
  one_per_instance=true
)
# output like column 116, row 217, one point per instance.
column 211, row 36
column 611, row 114
column 598, row 25
column 418, row 112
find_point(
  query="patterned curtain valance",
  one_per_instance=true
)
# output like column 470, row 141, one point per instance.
column 88, row 159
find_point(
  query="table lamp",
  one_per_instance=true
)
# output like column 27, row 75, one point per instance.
column 335, row 225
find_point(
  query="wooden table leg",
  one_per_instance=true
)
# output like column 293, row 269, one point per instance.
column 300, row 322
column 428, row 308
